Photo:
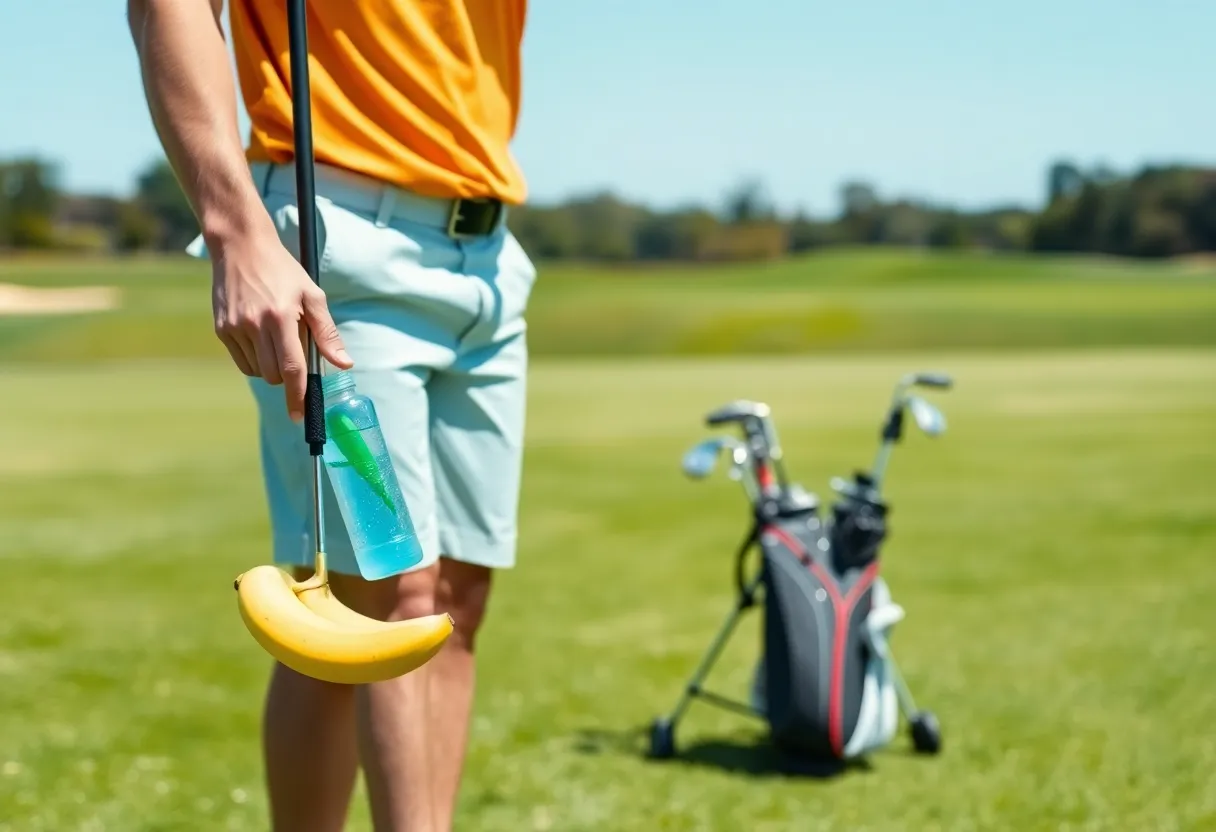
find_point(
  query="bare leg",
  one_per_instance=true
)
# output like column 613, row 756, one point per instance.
column 309, row 752
column 411, row 731
column 463, row 591
column 394, row 727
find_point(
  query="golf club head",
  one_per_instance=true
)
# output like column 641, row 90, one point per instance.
column 928, row 418
column 739, row 410
column 702, row 459
column 938, row 381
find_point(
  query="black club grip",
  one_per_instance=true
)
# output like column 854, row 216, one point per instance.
column 314, row 414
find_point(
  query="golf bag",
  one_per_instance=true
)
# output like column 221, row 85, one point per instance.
column 826, row 684
column 823, row 683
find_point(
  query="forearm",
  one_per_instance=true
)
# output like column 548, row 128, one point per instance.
column 192, row 100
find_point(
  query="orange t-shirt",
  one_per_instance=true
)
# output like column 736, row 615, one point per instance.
column 423, row 94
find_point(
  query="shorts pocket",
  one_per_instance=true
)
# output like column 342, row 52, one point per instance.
column 517, row 278
column 285, row 213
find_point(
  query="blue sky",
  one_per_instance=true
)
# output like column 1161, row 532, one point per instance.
column 672, row 101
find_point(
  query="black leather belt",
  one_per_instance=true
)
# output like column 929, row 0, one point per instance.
column 474, row 217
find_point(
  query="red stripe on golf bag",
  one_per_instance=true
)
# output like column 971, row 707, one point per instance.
column 792, row 543
column 842, row 610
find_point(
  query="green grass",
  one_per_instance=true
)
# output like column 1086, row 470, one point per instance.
column 835, row 302
column 1053, row 552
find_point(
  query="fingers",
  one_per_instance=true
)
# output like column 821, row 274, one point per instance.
column 245, row 345
column 234, row 337
column 324, row 330
column 230, row 332
column 281, row 357
column 269, row 357
column 268, row 340
column 251, row 341
column 292, row 366
column 238, row 357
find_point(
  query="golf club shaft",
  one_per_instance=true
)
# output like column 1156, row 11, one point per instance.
column 775, row 452
column 747, row 476
column 306, row 188
column 755, row 433
column 306, row 199
column 879, row 469
column 891, row 432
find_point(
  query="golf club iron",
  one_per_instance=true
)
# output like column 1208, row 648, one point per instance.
column 756, row 422
column 702, row 459
column 306, row 199
column 928, row 418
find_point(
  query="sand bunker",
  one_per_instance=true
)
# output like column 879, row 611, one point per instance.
column 27, row 300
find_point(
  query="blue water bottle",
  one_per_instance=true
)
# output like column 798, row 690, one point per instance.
column 361, row 472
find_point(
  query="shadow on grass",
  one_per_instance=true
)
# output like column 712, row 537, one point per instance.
column 741, row 754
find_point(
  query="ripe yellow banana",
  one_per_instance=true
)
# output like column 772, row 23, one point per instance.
column 304, row 626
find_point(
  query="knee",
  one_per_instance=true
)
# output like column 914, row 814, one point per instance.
column 411, row 595
column 291, row 686
column 463, row 592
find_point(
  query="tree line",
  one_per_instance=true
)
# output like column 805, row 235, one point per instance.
column 1154, row 212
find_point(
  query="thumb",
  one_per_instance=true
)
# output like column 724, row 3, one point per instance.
column 324, row 330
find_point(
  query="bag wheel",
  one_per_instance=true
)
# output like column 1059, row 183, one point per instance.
column 662, row 739
column 926, row 733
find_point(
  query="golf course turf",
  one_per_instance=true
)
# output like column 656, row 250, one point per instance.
column 1054, row 550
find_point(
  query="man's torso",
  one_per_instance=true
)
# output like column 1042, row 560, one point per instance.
column 420, row 93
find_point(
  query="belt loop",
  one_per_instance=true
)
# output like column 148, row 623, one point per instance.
column 388, row 200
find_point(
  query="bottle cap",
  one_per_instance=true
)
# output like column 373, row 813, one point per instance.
column 337, row 382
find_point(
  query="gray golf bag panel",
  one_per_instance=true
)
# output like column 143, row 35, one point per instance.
column 822, row 685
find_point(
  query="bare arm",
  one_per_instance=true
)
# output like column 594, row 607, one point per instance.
column 261, row 297
column 193, row 103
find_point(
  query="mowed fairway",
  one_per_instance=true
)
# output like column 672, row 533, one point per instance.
column 1054, row 552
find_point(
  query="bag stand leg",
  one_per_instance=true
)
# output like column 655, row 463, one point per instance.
column 926, row 733
column 662, row 730
column 906, row 703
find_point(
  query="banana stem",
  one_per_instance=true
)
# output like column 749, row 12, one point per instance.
column 320, row 570
column 320, row 575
